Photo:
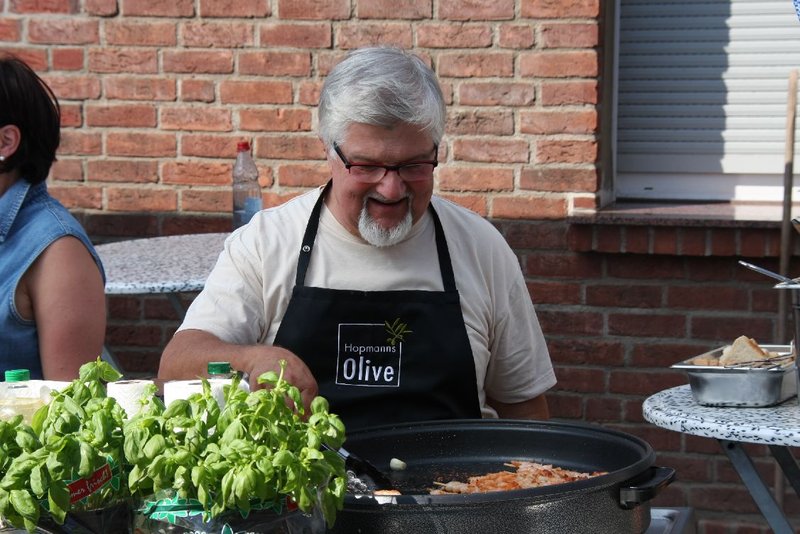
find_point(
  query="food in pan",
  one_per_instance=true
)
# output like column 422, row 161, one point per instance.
column 527, row 475
column 744, row 352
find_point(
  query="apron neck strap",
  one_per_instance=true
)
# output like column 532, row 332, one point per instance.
column 445, row 266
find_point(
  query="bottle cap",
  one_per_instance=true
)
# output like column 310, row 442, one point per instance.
column 219, row 368
column 242, row 146
column 17, row 375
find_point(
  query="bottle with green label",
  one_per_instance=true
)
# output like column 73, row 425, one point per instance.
column 17, row 397
column 220, row 370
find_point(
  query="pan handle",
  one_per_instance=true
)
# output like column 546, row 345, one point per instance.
column 645, row 486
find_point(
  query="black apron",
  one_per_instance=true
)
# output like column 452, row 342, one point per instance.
column 383, row 357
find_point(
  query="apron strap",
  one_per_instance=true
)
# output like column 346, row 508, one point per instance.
column 445, row 265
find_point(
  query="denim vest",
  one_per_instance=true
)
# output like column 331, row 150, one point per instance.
column 30, row 221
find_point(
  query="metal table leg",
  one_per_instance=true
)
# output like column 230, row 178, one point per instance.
column 788, row 464
column 175, row 299
column 758, row 490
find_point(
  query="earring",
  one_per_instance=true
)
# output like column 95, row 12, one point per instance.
column 2, row 157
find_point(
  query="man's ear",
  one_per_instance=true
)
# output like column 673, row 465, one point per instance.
column 9, row 140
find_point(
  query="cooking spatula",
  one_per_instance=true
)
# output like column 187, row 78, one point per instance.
column 362, row 468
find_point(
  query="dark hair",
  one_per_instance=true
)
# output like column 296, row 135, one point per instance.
column 30, row 105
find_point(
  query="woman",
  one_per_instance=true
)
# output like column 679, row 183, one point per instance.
column 52, row 303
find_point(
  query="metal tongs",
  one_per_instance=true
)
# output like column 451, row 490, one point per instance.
column 776, row 362
column 363, row 469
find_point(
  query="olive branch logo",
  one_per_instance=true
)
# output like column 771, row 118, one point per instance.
column 396, row 331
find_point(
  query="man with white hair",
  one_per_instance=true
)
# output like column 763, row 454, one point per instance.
column 394, row 304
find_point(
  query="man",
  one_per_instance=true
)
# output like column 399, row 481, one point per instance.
column 393, row 304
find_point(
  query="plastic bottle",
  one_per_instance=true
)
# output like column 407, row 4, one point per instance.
column 17, row 397
column 246, row 190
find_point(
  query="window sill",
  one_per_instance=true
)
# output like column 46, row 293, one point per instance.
column 689, row 229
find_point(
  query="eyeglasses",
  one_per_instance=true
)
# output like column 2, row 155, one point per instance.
column 371, row 173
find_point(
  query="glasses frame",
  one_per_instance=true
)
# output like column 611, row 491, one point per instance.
column 387, row 168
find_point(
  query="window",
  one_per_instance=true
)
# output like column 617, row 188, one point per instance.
column 701, row 98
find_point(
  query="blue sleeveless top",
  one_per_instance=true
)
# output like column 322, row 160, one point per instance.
column 30, row 221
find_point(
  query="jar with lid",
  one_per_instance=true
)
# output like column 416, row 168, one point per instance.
column 17, row 397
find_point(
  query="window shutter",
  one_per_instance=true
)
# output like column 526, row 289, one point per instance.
column 701, row 97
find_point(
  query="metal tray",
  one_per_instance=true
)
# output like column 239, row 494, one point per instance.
column 741, row 387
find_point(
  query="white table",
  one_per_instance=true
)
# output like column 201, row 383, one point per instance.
column 776, row 426
column 168, row 266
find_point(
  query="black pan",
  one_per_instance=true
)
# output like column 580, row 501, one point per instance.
column 454, row 450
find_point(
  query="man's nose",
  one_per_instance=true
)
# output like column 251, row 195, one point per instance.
column 391, row 186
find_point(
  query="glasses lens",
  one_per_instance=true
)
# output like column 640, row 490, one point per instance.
column 367, row 173
column 416, row 171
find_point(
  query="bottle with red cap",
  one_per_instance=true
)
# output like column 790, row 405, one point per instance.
column 246, row 190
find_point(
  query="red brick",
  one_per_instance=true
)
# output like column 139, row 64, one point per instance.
column 645, row 267
column 10, row 29
column 235, row 8
column 723, row 242
column 664, row 354
column 133, row 115
column 267, row 63
column 151, row 33
column 587, row 352
column 552, row 64
column 533, row 235
column 122, row 170
column 314, row 9
column 624, row 295
column 141, row 144
column 567, row 265
column 255, row 92
column 198, row 62
column 42, row 6
column 399, row 9
column 196, row 119
column 516, row 36
column 476, row 64
column 36, row 58
column 305, row 147
column 491, row 150
column 206, row 201
column 557, row 151
column 157, row 8
column 358, row 34
column 63, row 30
column 140, row 199
column 568, row 35
column 217, row 34
column 475, row 10
column 68, row 58
column 643, row 382
column 665, row 240
column 74, row 87
column 125, row 61
column 581, row 379
column 272, row 199
column 79, row 143
column 561, row 93
column 309, row 93
column 78, row 197
column 564, row 405
column 71, row 115
column 496, row 94
column 609, row 238
column 67, row 170
column 476, row 203
column 707, row 297
column 303, row 175
column 603, row 409
column 725, row 331
column 554, row 293
column 196, row 173
column 528, row 208
column 559, row 9
column 476, row 122
column 483, row 179
column 135, row 335
column 209, row 146
column 296, row 35
column 101, row 8
column 558, row 122
column 721, row 499
column 275, row 120
column 139, row 88
column 693, row 241
column 570, row 323
column 559, row 179
column 449, row 35
column 647, row 325
column 197, row 91
column 184, row 224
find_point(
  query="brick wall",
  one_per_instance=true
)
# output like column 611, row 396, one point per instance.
column 155, row 96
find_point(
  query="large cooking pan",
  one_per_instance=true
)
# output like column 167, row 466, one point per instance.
column 616, row 502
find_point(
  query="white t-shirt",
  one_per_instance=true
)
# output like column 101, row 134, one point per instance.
column 248, row 291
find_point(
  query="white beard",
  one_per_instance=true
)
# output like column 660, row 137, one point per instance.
column 374, row 234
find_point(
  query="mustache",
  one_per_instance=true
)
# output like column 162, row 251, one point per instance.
column 380, row 198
